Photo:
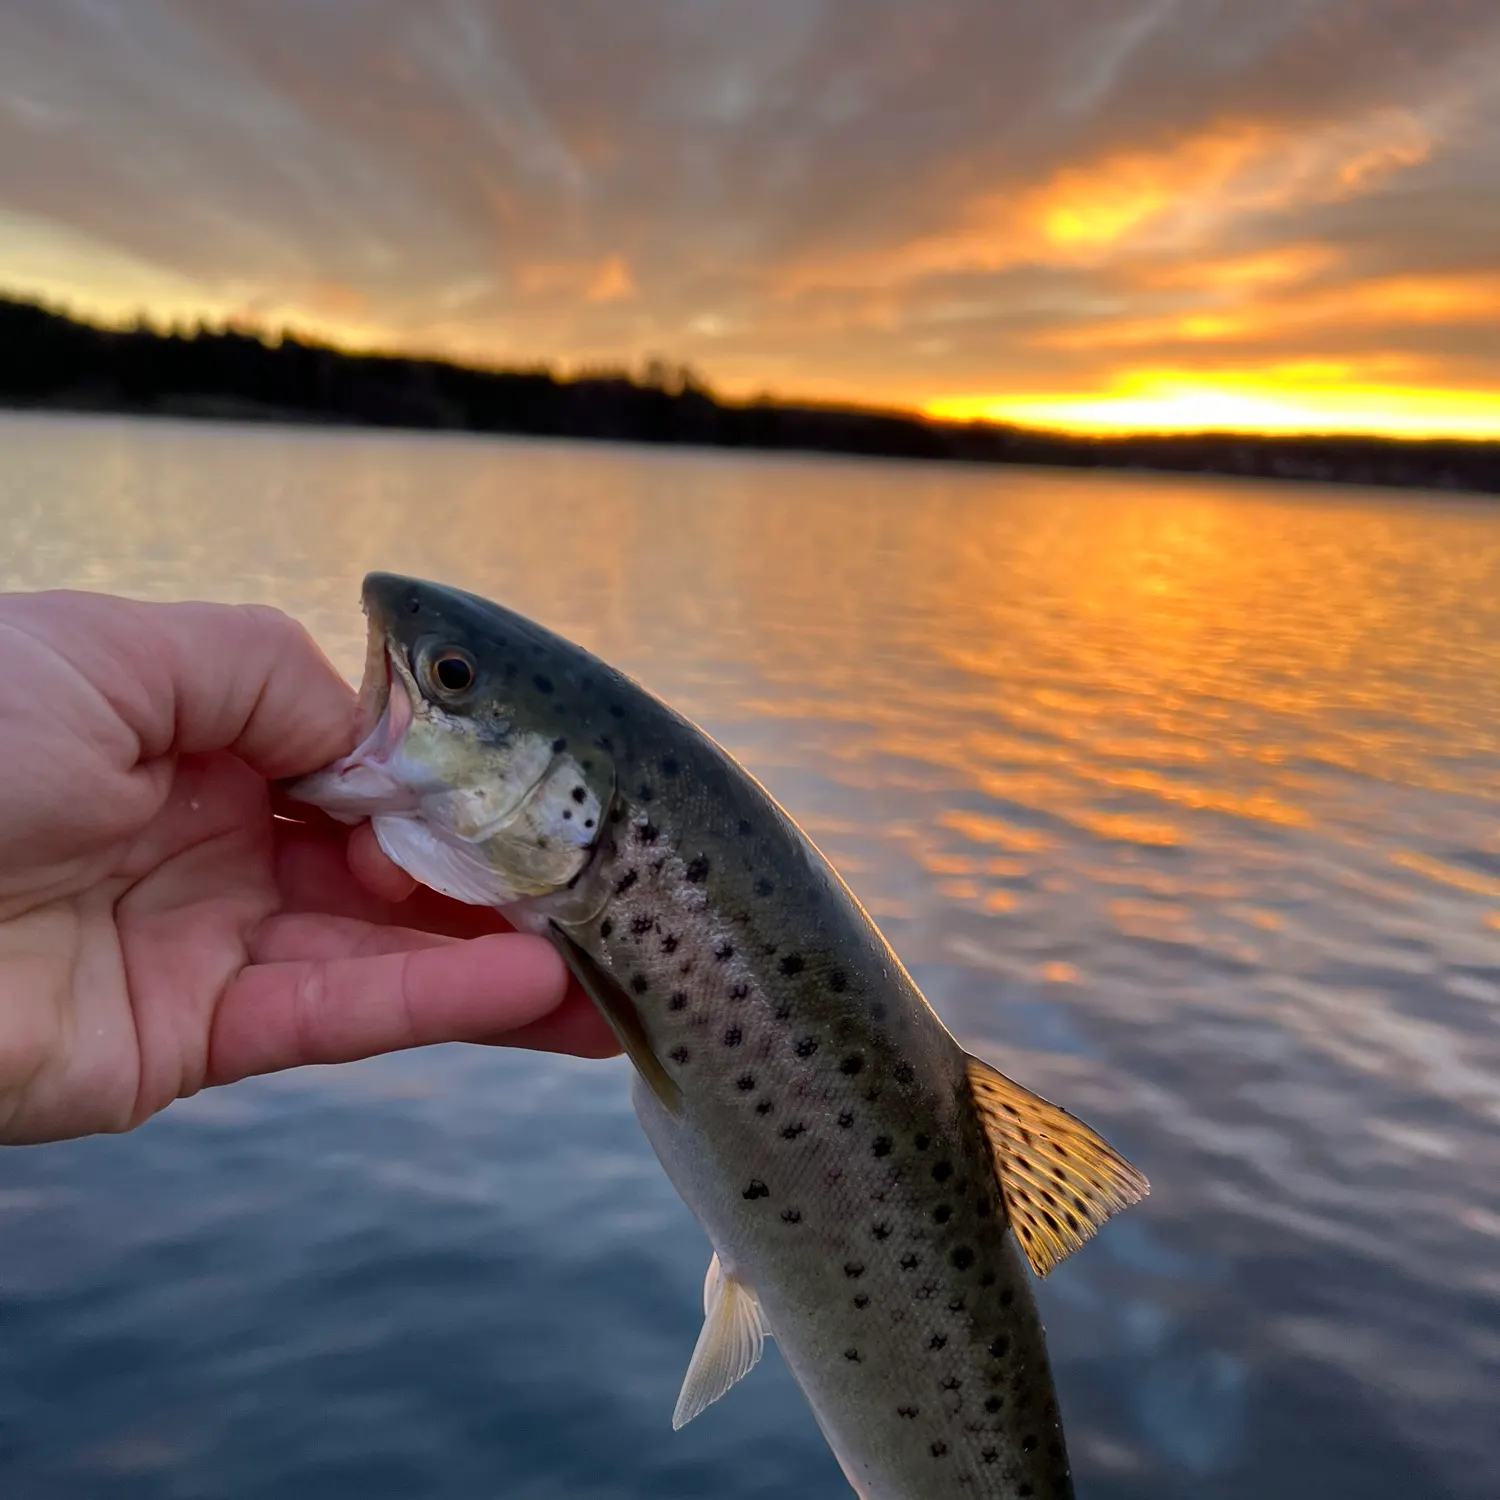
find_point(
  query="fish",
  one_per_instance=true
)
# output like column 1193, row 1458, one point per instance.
column 876, row 1199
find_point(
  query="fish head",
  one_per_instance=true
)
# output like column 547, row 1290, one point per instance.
column 466, row 766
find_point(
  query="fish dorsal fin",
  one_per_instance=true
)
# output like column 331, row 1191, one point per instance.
column 729, row 1346
column 1060, row 1179
column 624, row 1020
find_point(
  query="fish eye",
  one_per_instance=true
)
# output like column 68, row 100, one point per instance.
column 453, row 671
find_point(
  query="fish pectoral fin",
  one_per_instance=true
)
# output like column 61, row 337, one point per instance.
column 1061, row 1181
column 730, row 1343
column 624, row 1020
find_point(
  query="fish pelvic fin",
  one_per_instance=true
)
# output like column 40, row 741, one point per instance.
column 730, row 1343
column 1060, row 1180
column 624, row 1020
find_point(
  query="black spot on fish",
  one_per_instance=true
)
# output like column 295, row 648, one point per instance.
column 962, row 1258
column 678, row 1000
column 910, row 1262
column 852, row 1064
column 861, row 1301
column 989, row 1455
column 579, row 794
column 852, row 1355
column 733, row 1037
column 640, row 984
column 792, row 1216
column 588, row 822
column 952, row 1383
column 543, row 683
column 872, row 1093
column 1000, row 1346
column 616, row 711
column 739, row 992
column 791, row 1132
column 567, row 815
column 678, row 1054
column 757, row 1189
column 763, row 887
column 605, row 743
column 993, row 1404
column 903, row 1073
column 625, row 881
column 606, row 927
column 939, row 1449
column 921, row 1142
column 642, row 925
column 1028, row 1443
column 724, row 952
column 647, row 833
column 807, row 1046
column 793, row 963
column 745, row 1082
column 956, row 1304
column 942, row 1171
column 988, row 1279
column 909, row 1412
column 697, row 872
column 1025, row 1491
column 1006, row 1297
column 764, row 1107
column 846, row 1120
column 558, row 746
column 853, row 1269
column 881, row 1231
column 645, row 793
column 942, row 1213
column 937, row 1341
column 838, row 980
column 881, row 1146
column 670, row 942
column 744, row 826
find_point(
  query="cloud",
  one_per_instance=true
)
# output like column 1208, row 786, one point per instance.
column 858, row 198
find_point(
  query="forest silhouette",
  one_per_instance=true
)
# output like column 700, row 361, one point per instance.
column 51, row 360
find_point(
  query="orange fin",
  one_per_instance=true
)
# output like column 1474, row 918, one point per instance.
column 1060, row 1179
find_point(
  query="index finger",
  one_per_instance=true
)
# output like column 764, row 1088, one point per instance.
column 192, row 678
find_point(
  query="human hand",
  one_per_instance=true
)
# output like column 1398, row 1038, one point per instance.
column 160, row 930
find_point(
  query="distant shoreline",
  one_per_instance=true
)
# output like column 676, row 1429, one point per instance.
column 51, row 362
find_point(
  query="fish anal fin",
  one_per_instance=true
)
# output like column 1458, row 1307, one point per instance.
column 1061, row 1181
column 730, row 1343
column 624, row 1020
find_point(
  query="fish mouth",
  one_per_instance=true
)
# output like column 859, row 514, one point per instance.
column 364, row 782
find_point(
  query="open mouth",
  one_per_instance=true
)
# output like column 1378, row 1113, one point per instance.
column 385, row 707
column 363, row 783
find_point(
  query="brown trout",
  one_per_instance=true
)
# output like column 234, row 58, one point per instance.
column 872, row 1193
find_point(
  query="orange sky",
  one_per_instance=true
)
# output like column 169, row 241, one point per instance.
column 1107, row 214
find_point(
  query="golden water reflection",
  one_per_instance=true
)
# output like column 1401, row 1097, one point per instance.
column 1182, row 795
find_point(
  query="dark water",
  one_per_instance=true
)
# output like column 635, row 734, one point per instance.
column 1182, row 801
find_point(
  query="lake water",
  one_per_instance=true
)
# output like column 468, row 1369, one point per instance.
column 1179, row 797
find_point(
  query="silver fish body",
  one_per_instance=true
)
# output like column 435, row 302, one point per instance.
column 807, row 1103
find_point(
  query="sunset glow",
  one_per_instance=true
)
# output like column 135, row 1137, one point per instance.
column 1278, row 221
column 1306, row 399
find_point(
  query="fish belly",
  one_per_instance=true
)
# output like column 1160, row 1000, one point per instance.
column 928, row 1379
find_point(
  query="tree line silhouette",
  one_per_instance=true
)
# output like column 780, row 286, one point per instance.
column 51, row 360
